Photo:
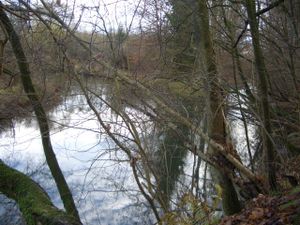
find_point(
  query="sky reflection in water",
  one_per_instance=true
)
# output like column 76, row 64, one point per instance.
column 87, row 157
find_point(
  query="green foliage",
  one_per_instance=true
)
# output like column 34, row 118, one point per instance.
column 193, row 211
column 295, row 190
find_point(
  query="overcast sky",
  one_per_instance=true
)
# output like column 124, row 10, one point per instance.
column 114, row 13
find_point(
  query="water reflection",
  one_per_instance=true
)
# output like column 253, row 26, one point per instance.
column 99, row 175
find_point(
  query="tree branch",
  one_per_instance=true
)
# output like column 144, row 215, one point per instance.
column 124, row 76
column 271, row 6
column 40, row 113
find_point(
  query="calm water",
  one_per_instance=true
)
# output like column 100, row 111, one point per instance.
column 98, row 173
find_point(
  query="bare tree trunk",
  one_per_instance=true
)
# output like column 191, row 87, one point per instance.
column 237, row 68
column 217, row 128
column 2, row 45
column 25, row 74
column 268, row 148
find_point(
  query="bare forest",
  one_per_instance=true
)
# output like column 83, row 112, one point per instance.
column 177, row 112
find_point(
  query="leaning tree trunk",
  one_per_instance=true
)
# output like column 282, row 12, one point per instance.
column 268, row 148
column 25, row 74
column 217, row 129
column 32, row 200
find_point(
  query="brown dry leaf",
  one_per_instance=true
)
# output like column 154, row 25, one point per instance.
column 229, row 222
column 269, row 210
column 244, row 223
column 257, row 213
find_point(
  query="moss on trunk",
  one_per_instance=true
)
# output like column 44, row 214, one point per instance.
column 39, row 111
column 33, row 201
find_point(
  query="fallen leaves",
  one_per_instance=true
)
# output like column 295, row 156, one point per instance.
column 267, row 210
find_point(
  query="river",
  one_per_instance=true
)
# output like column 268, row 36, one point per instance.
column 97, row 171
column 99, row 174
